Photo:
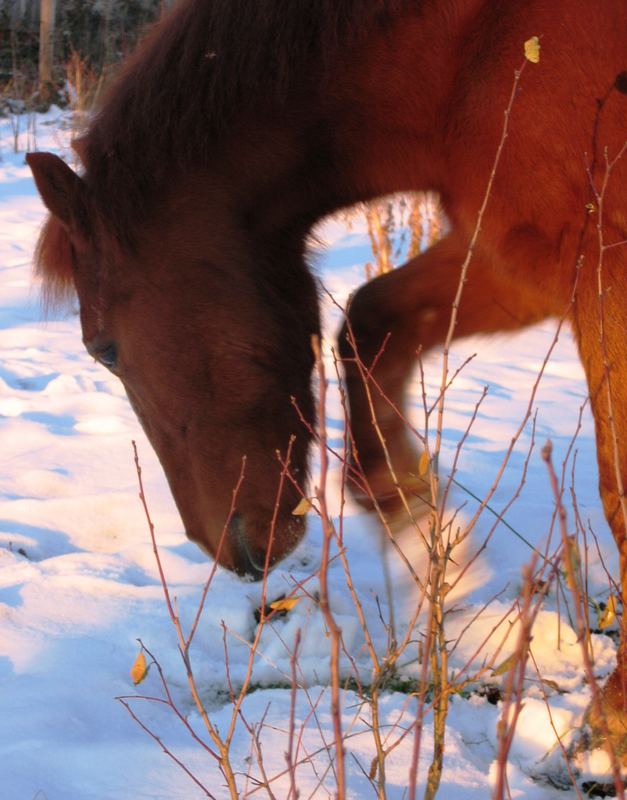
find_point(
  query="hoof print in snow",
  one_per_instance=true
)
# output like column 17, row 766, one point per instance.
column 270, row 610
column 492, row 693
column 598, row 789
column 277, row 608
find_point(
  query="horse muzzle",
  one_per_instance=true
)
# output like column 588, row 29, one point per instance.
column 246, row 559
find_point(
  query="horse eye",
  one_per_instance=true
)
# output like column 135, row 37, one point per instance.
column 108, row 356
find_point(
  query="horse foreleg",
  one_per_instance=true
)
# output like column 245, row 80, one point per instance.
column 390, row 320
column 600, row 323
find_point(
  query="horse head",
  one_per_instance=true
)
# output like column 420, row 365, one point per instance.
column 214, row 358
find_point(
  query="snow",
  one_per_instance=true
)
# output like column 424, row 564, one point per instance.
column 79, row 584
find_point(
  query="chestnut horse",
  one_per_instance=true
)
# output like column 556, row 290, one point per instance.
column 237, row 124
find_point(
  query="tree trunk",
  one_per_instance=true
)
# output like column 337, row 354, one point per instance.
column 46, row 46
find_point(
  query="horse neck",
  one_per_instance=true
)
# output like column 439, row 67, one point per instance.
column 375, row 130
column 392, row 106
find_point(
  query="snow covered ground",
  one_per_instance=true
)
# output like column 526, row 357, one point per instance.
column 79, row 583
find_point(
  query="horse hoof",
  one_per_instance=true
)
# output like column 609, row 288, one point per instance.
column 396, row 502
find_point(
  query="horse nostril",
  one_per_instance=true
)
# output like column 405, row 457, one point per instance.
column 244, row 562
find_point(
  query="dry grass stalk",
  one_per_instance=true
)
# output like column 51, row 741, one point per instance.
column 570, row 561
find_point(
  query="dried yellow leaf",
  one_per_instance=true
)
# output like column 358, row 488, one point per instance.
column 609, row 613
column 285, row 604
column 572, row 563
column 508, row 664
column 423, row 464
column 532, row 49
column 139, row 670
column 302, row 508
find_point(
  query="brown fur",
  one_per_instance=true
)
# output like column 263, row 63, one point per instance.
column 53, row 260
column 185, row 239
column 199, row 67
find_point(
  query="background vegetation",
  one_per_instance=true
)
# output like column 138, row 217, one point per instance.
column 94, row 34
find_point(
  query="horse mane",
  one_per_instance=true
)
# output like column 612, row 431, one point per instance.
column 197, row 66
column 53, row 264
column 178, row 90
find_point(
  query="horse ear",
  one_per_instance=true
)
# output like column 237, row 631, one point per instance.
column 64, row 193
